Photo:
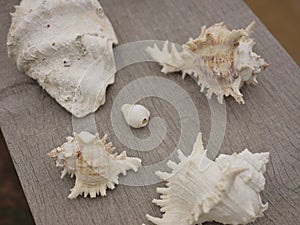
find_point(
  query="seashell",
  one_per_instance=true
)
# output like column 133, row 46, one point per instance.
column 67, row 47
column 93, row 163
column 136, row 116
column 226, row 190
column 220, row 60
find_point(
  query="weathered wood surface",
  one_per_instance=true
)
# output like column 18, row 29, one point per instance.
column 33, row 123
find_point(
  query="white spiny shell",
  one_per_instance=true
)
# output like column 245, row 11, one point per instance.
column 67, row 47
column 226, row 190
column 93, row 163
column 136, row 116
column 219, row 59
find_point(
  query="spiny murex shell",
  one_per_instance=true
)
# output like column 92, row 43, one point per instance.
column 136, row 116
column 219, row 59
column 226, row 190
column 67, row 47
column 93, row 163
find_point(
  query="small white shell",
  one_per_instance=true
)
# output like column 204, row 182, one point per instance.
column 93, row 163
column 136, row 116
column 226, row 190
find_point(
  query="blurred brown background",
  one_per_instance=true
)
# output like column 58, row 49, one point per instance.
column 280, row 17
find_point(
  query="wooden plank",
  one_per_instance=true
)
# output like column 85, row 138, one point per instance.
column 33, row 123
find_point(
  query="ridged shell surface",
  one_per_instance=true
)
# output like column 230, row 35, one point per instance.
column 226, row 190
column 67, row 47
column 220, row 60
column 93, row 163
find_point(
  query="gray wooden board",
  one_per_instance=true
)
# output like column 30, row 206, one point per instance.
column 33, row 123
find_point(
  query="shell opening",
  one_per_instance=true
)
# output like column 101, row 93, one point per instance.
column 145, row 121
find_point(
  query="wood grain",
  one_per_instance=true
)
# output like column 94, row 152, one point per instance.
column 14, row 208
column 33, row 123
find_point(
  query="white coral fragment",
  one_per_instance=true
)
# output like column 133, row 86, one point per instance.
column 226, row 190
column 220, row 60
column 93, row 163
column 67, row 47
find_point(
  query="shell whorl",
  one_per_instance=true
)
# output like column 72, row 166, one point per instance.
column 225, row 190
column 93, row 162
column 220, row 60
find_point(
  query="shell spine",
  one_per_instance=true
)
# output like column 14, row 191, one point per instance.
column 225, row 190
column 220, row 60
column 93, row 163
